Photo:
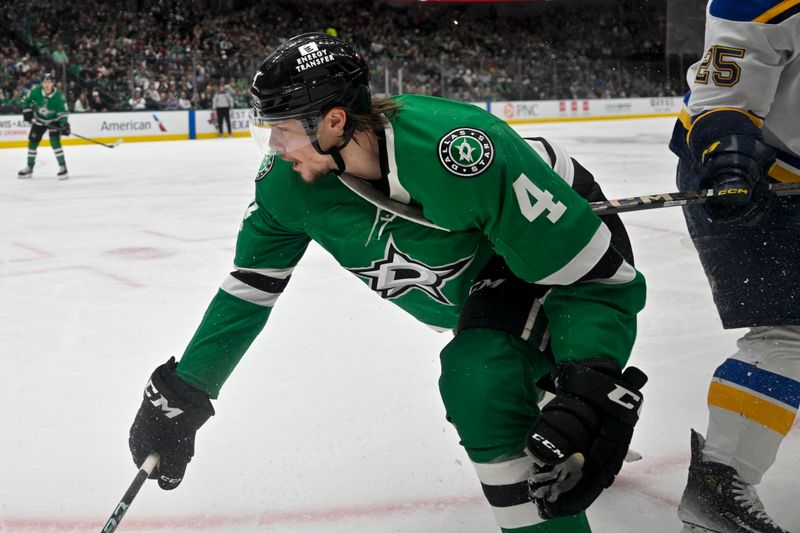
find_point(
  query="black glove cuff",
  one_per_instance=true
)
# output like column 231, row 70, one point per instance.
column 600, row 383
column 173, row 398
column 713, row 126
column 740, row 151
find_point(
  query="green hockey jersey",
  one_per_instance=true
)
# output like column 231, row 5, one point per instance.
column 47, row 108
column 461, row 187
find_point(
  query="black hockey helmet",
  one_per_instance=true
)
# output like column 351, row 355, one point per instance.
column 307, row 75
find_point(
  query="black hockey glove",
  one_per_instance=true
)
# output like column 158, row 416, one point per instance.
column 65, row 129
column 27, row 115
column 736, row 168
column 171, row 413
column 579, row 443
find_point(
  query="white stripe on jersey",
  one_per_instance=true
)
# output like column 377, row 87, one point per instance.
column 509, row 473
column 245, row 292
column 505, row 473
column 563, row 165
column 583, row 261
column 624, row 274
column 516, row 516
column 396, row 190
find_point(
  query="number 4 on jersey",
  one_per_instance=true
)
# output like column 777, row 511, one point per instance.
column 524, row 189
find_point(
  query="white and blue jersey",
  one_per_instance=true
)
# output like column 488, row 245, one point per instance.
column 748, row 81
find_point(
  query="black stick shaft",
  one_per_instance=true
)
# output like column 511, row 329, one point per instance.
column 93, row 141
column 127, row 499
column 655, row 201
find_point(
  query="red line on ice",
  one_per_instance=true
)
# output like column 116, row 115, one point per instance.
column 38, row 253
column 103, row 273
column 200, row 522
column 183, row 239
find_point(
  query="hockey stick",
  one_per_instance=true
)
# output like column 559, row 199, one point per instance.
column 114, row 145
column 605, row 207
column 655, row 201
column 143, row 473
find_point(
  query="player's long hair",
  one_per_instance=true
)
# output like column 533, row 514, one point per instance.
column 381, row 110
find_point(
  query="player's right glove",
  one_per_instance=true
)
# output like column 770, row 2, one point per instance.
column 171, row 413
column 27, row 115
column 65, row 129
column 736, row 168
column 579, row 443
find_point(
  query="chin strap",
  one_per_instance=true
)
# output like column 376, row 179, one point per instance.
column 335, row 152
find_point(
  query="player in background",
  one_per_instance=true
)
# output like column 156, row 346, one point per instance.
column 46, row 110
column 442, row 209
column 739, row 131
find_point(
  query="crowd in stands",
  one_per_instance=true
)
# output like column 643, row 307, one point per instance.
column 160, row 54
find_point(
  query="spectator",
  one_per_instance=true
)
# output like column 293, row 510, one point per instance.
column 137, row 102
column 152, row 97
column 171, row 103
column 12, row 101
column 202, row 100
column 184, row 102
column 119, row 48
column 60, row 58
column 97, row 102
column 82, row 104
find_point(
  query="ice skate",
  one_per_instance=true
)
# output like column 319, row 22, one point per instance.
column 62, row 173
column 25, row 173
column 717, row 500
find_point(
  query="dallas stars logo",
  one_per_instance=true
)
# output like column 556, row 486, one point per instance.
column 266, row 164
column 398, row 273
column 466, row 152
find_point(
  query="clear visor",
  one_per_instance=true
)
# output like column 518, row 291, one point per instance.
column 284, row 136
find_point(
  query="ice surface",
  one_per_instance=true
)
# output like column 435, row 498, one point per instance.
column 332, row 422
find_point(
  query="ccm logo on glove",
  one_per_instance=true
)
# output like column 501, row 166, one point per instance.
column 547, row 444
column 152, row 392
column 619, row 396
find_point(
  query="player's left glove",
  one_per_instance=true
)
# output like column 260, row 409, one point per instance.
column 65, row 129
column 580, row 440
column 171, row 413
column 736, row 168
column 27, row 115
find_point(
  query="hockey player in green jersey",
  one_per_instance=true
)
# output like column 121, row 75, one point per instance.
column 442, row 209
column 45, row 109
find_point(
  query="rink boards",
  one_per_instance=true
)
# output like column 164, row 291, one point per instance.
column 143, row 126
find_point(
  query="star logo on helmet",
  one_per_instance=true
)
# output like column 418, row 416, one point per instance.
column 466, row 152
column 398, row 273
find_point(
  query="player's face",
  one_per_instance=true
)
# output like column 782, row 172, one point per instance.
column 47, row 85
column 292, row 144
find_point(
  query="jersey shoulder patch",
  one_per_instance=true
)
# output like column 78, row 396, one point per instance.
column 266, row 164
column 466, row 152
